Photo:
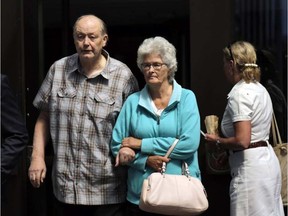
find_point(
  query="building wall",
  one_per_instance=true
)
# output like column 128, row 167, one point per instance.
column 210, row 32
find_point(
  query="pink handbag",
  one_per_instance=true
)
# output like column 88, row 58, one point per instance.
column 173, row 194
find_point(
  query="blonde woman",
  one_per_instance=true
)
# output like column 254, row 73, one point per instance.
column 256, row 177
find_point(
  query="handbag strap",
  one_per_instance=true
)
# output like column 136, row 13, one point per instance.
column 177, row 130
column 171, row 148
column 275, row 132
column 163, row 169
column 185, row 169
column 174, row 143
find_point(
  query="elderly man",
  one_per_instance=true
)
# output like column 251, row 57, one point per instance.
column 79, row 102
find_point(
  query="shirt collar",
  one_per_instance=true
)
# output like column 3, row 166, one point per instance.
column 175, row 97
column 73, row 64
column 235, row 87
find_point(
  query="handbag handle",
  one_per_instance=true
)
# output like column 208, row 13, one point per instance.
column 275, row 132
column 171, row 148
column 185, row 169
column 163, row 169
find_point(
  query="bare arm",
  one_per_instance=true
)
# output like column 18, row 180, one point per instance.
column 37, row 169
column 240, row 141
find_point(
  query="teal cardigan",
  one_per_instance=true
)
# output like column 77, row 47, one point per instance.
column 179, row 119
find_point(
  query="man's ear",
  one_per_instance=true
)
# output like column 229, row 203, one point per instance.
column 105, row 40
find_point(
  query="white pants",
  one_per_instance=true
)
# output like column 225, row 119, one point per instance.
column 255, row 189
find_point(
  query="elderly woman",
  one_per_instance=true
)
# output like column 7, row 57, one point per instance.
column 151, row 119
column 256, row 178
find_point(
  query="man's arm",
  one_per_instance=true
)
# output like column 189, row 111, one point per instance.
column 37, row 169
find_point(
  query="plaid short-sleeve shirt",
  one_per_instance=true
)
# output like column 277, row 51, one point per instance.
column 82, row 113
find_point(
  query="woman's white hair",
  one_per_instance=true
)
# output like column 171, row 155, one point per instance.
column 159, row 45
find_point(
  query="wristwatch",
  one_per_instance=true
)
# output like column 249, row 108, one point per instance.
column 218, row 144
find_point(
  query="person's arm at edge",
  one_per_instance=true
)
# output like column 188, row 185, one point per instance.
column 13, row 129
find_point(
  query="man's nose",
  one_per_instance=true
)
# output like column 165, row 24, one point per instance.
column 86, row 40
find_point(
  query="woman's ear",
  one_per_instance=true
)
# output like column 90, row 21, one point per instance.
column 231, row 66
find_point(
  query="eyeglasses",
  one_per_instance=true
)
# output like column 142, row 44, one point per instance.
column 230, row 52
column 155, row 65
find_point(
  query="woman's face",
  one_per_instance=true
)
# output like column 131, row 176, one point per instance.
column 228, row 70
column 155, row 71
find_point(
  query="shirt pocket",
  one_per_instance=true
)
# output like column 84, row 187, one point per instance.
column 65, row 100
column 105, row 107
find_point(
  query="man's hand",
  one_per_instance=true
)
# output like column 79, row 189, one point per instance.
column 37, row 171
column 124, row 156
